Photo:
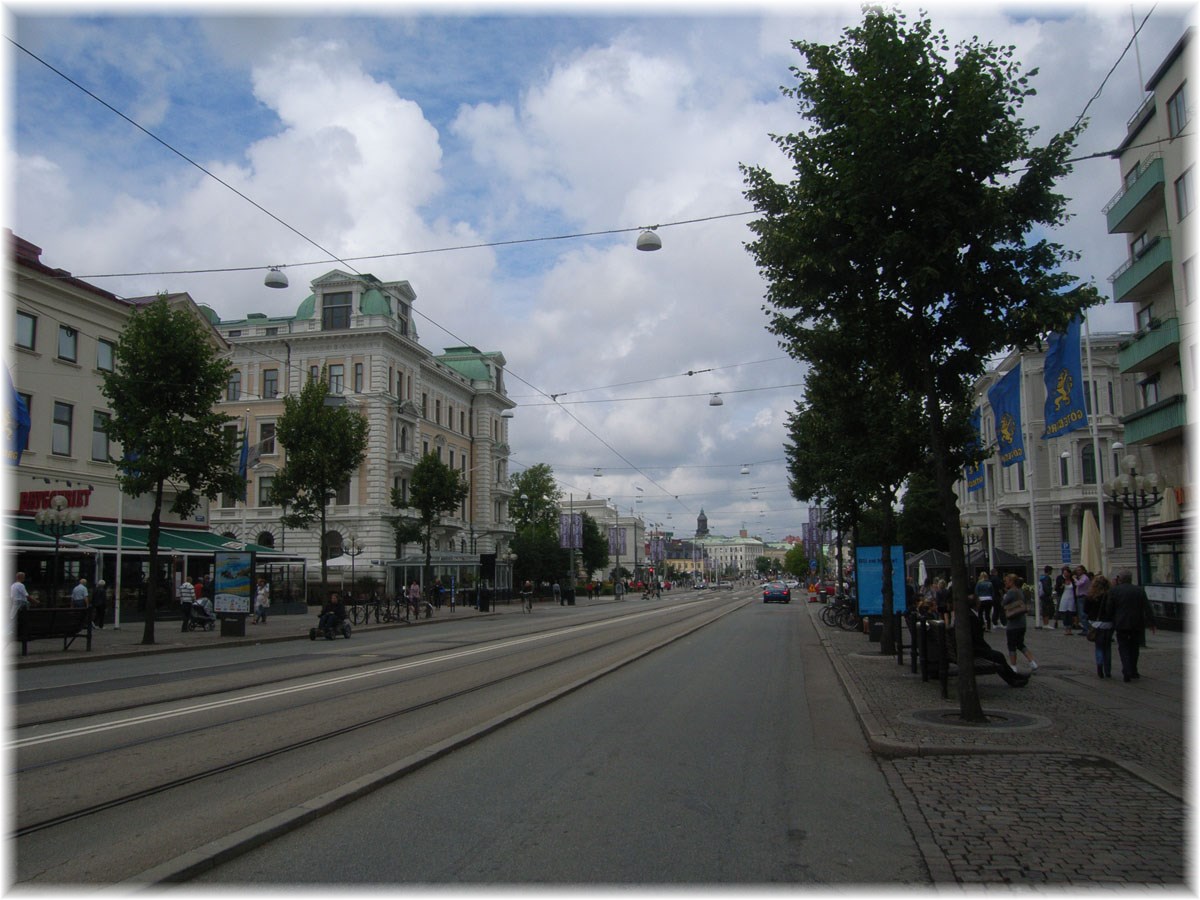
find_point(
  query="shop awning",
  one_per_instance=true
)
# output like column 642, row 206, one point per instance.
column 24, row 534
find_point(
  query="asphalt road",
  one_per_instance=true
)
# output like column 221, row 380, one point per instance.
column 731, row 756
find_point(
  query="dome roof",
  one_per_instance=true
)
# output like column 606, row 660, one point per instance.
column 375, row 303
column 306, row 309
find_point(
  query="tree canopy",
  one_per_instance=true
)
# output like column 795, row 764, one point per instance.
column 162, row 393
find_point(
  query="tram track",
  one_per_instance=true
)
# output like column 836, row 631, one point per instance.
column 692, row 620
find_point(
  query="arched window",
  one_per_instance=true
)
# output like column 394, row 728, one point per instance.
column 265, row 539
column 332, row 542
column 404, row 440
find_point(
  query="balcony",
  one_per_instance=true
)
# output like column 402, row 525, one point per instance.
column 1144, row 275
column 1151, row 348
column 1159, row 422
column 1131, row 204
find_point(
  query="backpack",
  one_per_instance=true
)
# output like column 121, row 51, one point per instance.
column 1046, row 585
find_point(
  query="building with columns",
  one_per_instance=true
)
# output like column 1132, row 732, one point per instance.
column 359, row 334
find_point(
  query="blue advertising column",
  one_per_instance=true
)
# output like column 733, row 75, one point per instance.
column 868, row 567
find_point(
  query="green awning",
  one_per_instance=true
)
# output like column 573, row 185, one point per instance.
column 24, row 534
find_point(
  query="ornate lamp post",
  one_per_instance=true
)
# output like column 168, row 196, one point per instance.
column 57, row 520
column 972, row 536
column 352, row 550
column 1135, row 492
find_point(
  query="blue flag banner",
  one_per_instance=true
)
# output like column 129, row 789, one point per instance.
column 1066, row 405
column 17, row 415
column 974, row 474
column 244, row 459
column 1005, row 398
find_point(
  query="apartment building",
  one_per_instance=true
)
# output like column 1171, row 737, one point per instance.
column 359, row 334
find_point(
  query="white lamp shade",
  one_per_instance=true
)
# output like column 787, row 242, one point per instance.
column 275, row 279
column 715, row 400
column 648, row 240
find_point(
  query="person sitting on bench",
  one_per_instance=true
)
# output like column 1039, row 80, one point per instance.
column 981, row 650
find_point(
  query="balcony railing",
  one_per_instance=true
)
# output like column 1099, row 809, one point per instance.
column 1146, row 178
column 1147, row 345
column 1156, row 422
column 1150, row 259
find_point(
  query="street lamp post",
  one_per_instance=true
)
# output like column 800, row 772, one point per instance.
column 57, row 520
column 352, row 549
column 1135, row 492
column 972, row 535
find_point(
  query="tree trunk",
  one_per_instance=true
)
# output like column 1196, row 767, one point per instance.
column 968, row 692
column 153, row 585
column 887, row 641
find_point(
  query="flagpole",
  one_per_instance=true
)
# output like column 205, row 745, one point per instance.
column 1095, row 398
column 120, row 535
column 1030, row 470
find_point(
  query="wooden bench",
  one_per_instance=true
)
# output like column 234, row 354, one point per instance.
column 60, row 622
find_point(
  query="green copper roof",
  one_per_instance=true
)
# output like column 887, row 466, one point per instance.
column 468, row 362
column 375, row 303
column 307, row 308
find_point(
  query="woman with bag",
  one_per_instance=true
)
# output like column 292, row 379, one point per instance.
column 1100, row 609
column 1066, row 603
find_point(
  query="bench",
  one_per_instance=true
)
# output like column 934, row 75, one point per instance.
column 938, row 653
column 65, row 622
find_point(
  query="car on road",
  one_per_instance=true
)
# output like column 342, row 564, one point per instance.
column 776, row 592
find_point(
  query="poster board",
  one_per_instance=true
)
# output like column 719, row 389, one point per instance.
column 232, row 581
column 868, row 565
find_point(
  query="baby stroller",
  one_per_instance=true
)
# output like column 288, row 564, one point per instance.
column 202, row 616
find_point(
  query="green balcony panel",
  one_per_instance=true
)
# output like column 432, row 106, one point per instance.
column 1154, row 423
column 1149, row 346
column 1144, row 273
column 1147, row 189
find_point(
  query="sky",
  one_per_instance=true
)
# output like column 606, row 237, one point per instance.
column 398, row 138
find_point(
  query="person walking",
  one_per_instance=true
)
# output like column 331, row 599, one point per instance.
column 983, row 590
column 1131, row 614
column 414, row 600
column 1067, row 601
column 1046, row 597
column 1099, row 605
column 262, row 601
column 982, row 650
column 99, row 603
column 1083, row 587
column 187, row 596
column 19, row 595
column 81, row 597
column 1015, row 611
column 557, row 591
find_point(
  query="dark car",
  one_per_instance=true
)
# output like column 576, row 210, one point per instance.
column 776, row 591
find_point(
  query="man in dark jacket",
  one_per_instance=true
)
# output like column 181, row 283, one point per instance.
column 1131, row 614
column 983, row 651
column 333, row 614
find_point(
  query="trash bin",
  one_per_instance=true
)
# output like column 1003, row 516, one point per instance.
column 569, row 596
column 485, row 601
column 233, row 626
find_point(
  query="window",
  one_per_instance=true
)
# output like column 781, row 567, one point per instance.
column 337, row 378
column 1087, row 396
column 60, row 435
column 231, row 435
column 1143, row 317
column 1177, row 111
column 358, row 378
column 1149, row 391
column 1021, row 477
column 105, row 353
column 1183, row 194
column 1064, row 470
column 100, row 436
column 26, row 330
column 270, row 384
column 314, row 372
column 1087, row 464
column 233, row 389
column 28, row 398
column 1110, row 398
column 1064, row 529
column 424, row 448
column 266, row 438
column 271, row 331
column 437, row 411
column 462, row 422
column 392, row 381
column 264, row 490
column 68, row 343
column 343, row 494
column 1189, row 281
column 452, row 459
column 425, row 405
column 1117, row 536
column 404, row 440
column 335, row 310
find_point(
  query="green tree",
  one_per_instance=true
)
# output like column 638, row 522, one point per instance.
column 435, row 490
column 162, row 395
column 795, row 562
column 915, row 223
column 535, row 499
column 594, row 553
column 325, row 442
column 919, row 525
column 763, row 565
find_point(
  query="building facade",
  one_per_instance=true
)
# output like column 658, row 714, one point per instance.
column 1061, row 478
column 358, row 333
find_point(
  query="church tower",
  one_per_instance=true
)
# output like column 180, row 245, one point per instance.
column 701, row 525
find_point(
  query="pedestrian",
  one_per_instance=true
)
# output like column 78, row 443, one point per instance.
column 1083, row 586
column 557, row 591
column 333, row 614
column 1066, row 602
column 983, row 590
column 981, row 650
column 262, row 601
column 99, row 603
column 619, row 589
column 414, row 599
column 998, row 589
column 1099, row 603
column 20, row 598
column 1015, row 610
column 941, row 596
column 1131, row 614
column 1046, row 596
column 187, row 596
column 81, row 596
column 437, row 592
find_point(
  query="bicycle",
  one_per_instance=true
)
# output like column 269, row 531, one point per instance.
column 360, row 613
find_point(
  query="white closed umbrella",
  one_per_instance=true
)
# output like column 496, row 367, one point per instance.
column 1168, row 510
column 921, row 573
column 1089, row 549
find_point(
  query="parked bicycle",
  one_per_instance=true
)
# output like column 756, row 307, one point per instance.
column 840, row 613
